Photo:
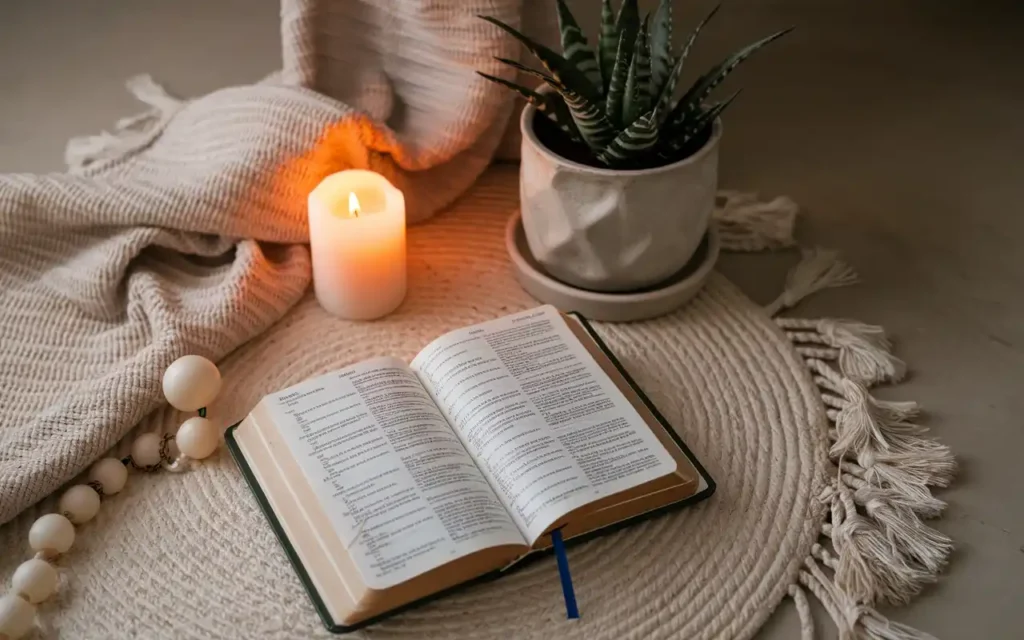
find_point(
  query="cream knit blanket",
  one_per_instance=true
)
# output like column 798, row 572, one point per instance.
column 181, row 231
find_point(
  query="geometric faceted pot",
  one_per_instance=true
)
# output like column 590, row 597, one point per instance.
column 611, row 230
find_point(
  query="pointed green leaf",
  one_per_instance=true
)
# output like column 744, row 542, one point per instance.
column 607, row 44
column 693, row 99
column 617, row 87
column 669, row 88
column 680, row 137
column 550, row 81
column 567, row 125
column 559, row 68
column 531, row 96
column 632, row 143
column 590, row 120
column 643, row 49
column 637, row 99
column 554, row 107
column 575, row 47
column 550, row 104
column 593, row 125
column 696, row 32
column 628, row 21
column 661, row 47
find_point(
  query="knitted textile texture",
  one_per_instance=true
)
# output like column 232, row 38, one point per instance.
column 177, row 232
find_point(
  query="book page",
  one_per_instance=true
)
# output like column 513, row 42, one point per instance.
column 397, row 484
column 547, row 426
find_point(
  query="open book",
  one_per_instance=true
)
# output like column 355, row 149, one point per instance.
column 390, row 482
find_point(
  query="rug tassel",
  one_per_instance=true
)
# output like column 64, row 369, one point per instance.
column 859, row 424
column 930, row 465
column 865, row 354
column 818, row 269
column 864, row 555
column 803, row 610
column 872, row 565
column 925, row 506
column 913, row 493
column 863, row 351
column 880, row 496
column 888, row 449
column 864, row 423
column 854, row 621
column 886, row 553
column 866, row 426
column 747, row 223
column 130, row 134
column 905, row 531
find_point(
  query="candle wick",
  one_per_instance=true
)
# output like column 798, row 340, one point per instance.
column 353, row 204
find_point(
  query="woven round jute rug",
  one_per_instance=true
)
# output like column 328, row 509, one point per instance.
column 190, row 555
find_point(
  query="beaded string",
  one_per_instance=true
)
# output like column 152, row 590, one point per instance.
column 191, row 383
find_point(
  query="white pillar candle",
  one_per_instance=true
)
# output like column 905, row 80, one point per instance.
column 357, row 238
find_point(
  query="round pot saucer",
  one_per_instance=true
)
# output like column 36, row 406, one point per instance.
column 610, row 307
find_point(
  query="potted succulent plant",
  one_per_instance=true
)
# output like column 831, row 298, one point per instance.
column 618, row 176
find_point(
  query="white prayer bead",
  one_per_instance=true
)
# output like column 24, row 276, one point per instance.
column 79, row 504
column 146, row 450
column 191, row 382
column 197, row 438
column 35, row 580
column 17, row 617
column 111, row 474
column 53, row 533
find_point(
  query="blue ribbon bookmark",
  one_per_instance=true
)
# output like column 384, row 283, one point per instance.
column 571, row 611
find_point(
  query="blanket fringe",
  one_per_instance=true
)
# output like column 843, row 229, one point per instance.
column 130, row 134
column 885, row 468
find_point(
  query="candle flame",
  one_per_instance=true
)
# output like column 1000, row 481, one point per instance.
column 353, row 204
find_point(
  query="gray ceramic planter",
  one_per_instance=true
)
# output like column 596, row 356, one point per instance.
column 608, row 230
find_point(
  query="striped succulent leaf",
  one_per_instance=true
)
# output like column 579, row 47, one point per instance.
column 618, row 100
column 588, row 116
column 696, row 125
column 661, row 46
column 555, row 108
column 550, row 104
column 559, row 68
column 531, row 96
column 607, row 44
column 696, row 32
column 637, row 98
column 693, row 99
column 632, row 143
column 627, row 23
column 668, row 90
column 554, row 83
column 593, row 125
column 617, row 87
column 575, row 47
